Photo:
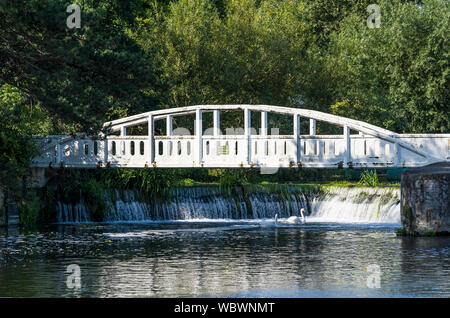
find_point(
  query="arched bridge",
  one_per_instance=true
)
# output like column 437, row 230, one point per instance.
column 370, row 146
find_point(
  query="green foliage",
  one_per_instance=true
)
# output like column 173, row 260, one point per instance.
column 231, row 178
column 395, row 76
column 251, row 55
column 47, row 212
column 93, row 194
column 369, row 178
column 400, row 232
column 187, row 182
column 312, row 53
column 282, row 189
column 20, row 119
column 340, row 184
column 69, row 187
column 430, row 233
column 151, row 182
column 79, row 74
column 29, row 208
column 154, row 183
column 407, row 213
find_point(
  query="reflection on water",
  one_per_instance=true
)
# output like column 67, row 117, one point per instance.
column 236, row 259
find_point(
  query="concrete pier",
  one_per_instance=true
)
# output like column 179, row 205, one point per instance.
column 425, row 200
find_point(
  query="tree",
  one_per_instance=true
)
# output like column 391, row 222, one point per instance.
column 399, row 73
column 253, row 52
column 78, row 75
column 19, row 120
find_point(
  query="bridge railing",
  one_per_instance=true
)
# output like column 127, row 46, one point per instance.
column 372, row 147
column 231, row 151
column 170, row 151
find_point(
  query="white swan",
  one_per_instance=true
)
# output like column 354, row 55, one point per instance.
column 298, row 219
column 269, row 223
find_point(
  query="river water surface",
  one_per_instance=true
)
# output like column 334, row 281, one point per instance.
column 223, row 258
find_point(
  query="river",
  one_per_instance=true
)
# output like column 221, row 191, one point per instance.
column 346, row 248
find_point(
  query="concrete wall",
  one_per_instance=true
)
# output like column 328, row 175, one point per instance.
column 425, row 200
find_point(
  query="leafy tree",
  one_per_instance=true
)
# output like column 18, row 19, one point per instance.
column 78, row 75
column 323, row 17
column 20, row 119
column 399, row 73
column 253, row 52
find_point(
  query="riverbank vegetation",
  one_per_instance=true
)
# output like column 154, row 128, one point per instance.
column 139, row 55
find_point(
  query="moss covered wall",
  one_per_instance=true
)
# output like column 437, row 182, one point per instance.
column 425, row 201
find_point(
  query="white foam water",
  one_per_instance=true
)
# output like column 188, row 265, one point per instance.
column 357, row 205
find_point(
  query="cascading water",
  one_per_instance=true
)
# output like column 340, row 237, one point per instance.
column 357, row 205
column 212, row 202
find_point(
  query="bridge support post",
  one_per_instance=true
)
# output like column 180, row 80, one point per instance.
column 347, row 146
column 198, row 134
column 216, row 119
column 247, row 133
column 263, row 131
column 297, row 137
column 151, row 137
column 312, row 127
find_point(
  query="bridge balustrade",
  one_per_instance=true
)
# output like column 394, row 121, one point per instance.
column 372, row 147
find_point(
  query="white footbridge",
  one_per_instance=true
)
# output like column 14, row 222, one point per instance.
column 370, row 146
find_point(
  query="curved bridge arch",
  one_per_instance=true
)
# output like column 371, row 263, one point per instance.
column 373, row 147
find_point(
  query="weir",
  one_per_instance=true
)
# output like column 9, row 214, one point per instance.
column 212, row 203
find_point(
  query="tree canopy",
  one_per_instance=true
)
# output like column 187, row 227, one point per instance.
column 78, row 75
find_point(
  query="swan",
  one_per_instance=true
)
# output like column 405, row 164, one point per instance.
column 298, row 219
column 269, row 223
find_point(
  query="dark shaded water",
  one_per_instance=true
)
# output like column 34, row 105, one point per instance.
column 238, row 259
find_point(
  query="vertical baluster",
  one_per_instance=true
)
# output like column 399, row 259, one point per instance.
column 347, row 146
column 312, row 127
column 123, row 131
column 105, row 150
column 169, row 125
column 397, row 158
column 247, row 133
column 150, row 141
column 297, row 140
column 216, row 118
column 263, row 131
column 198, row 134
